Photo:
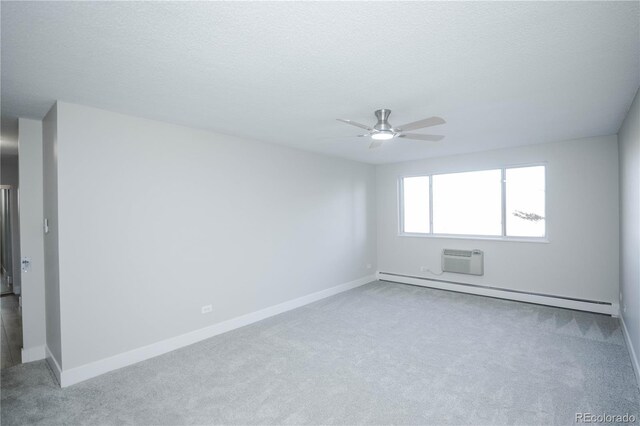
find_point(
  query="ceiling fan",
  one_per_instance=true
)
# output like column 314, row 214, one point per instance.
column 383, row 131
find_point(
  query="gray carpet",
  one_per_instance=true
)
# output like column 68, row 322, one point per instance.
column 380, row 354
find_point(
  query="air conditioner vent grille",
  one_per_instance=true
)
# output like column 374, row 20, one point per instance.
column 460, row 253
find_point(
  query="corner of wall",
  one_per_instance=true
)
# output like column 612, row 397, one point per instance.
column 632, row 353
column 629, row 196
column 53, row 365
column 50, row 214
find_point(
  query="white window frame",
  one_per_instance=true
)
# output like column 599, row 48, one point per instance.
column 503, row 237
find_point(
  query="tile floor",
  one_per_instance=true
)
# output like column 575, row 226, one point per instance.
column 5, row 287
column 10, row 331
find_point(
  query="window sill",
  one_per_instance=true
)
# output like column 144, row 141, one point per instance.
column 542, row 240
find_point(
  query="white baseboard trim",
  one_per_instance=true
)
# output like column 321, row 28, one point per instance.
column 539, row 299
column 78, row 374
column 632, row 352
column 53, row 364
column 33, row 354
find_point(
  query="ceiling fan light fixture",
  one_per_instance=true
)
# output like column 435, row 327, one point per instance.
column 382, row 136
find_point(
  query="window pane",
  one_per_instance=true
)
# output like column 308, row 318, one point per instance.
column 468, row 203
column 416, row 204
column 525, row 202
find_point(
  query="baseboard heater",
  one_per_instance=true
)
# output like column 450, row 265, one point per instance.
column 503, row 293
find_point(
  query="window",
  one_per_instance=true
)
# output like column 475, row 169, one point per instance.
column 467, row 203
column 471, row 203
column 525, row 202
column 416, row 203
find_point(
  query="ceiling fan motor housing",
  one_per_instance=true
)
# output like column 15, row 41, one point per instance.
column 383, row 125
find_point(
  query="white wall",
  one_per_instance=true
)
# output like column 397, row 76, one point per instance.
column 157, row 220
column 51, row 246
column 582, row 223
column 9, row 175
column 629, row 141
column 31, row 238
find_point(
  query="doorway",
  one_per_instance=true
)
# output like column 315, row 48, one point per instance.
column 10, row 312
column 6, row 255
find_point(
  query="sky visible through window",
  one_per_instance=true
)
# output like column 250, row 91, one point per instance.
column 470, row 203
column 416, row 210
column 467, row 203
column 525, row 194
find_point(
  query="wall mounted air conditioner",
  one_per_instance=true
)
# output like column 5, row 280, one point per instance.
column 463, row 261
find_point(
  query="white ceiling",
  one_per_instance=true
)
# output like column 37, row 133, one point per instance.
column 500, row 73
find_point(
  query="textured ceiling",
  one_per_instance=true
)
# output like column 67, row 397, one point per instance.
column 500, row 73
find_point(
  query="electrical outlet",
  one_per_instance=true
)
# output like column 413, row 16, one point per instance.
column 424, row 268
column 206, row 309
column 368, row 266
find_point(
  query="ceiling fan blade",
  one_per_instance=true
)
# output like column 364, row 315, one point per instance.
column 375, row 144
column 420, row 124
column 330, row 139
column 419, row 137
column 353, row 123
